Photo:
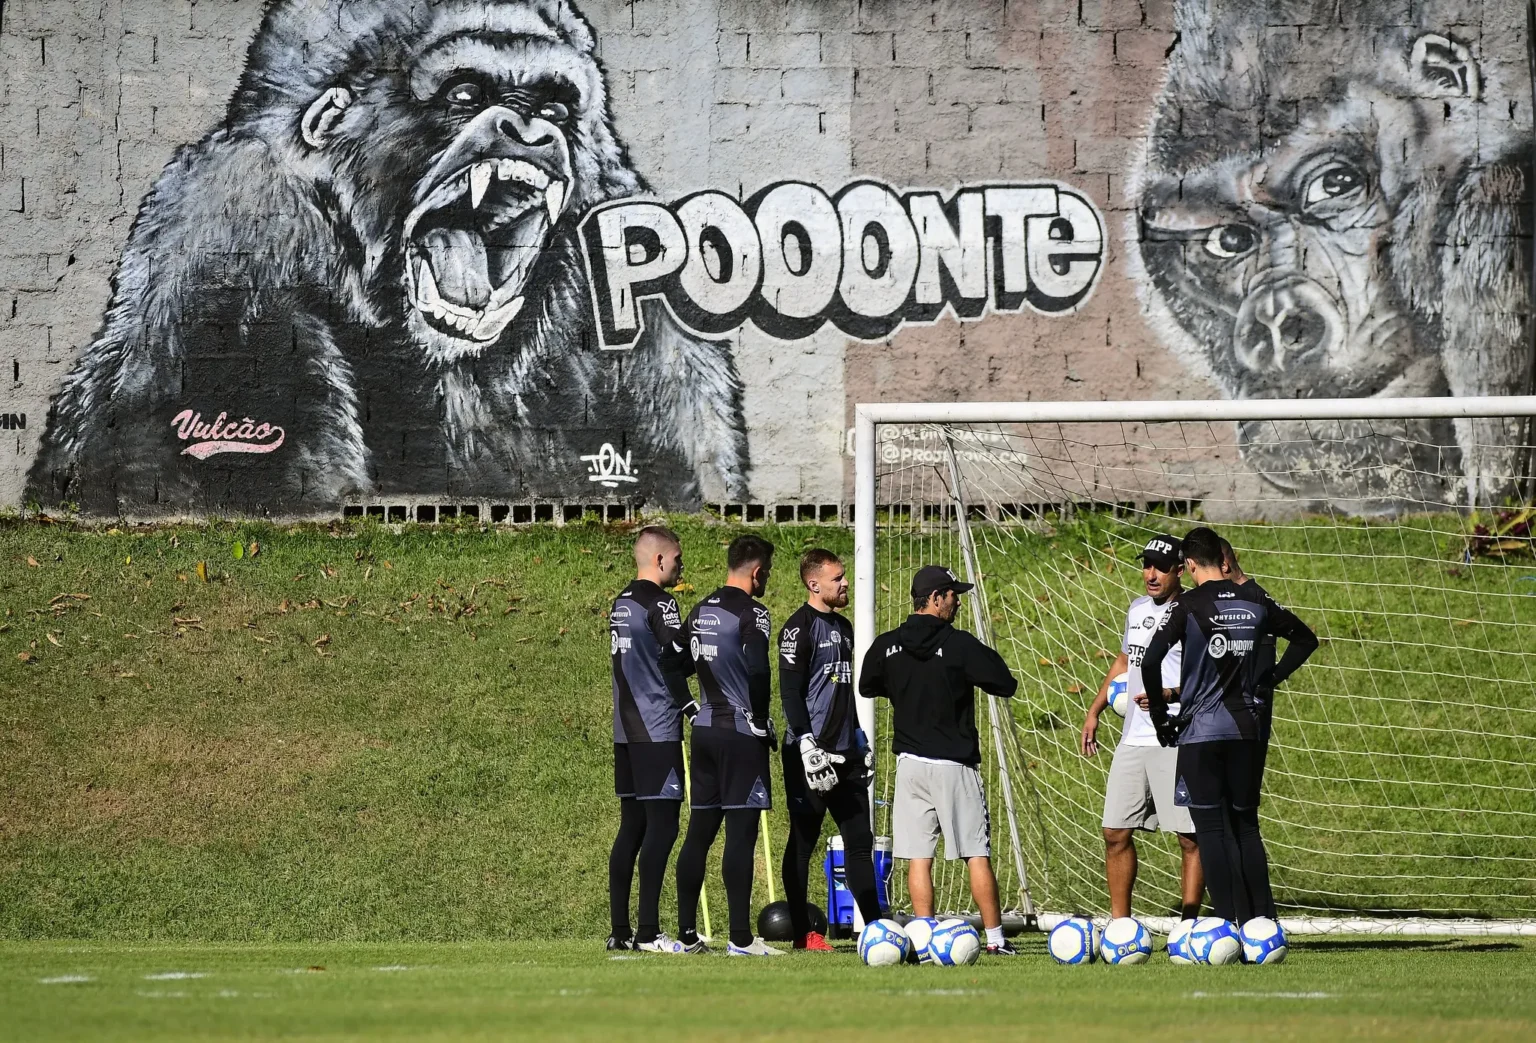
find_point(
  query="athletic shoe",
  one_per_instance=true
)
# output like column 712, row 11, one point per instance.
column 670, row 946
column 757, row 948
column 617, row 943
column 814, row 942
column 1002, row 950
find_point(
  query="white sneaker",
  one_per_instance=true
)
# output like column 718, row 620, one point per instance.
column 757, row 948
column 664, row 943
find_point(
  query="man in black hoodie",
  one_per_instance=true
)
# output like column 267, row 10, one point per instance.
column 930, row 672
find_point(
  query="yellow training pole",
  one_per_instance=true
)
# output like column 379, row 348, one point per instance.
column 767, row 856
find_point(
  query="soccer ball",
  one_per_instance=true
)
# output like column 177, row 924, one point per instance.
column 883, row 943
column 1213, row 940
column 1263, row 941
column 919, row 933
column 1071, row 941
column 1125, row 940
column 955, row 944
column 1120, row 694
column 1178, row 943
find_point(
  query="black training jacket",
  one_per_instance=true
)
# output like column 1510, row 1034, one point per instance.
column 930, row 672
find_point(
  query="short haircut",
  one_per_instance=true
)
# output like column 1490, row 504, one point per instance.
column 814, row 559
column 1202, row 546
column 657, row 532
column 748, row 550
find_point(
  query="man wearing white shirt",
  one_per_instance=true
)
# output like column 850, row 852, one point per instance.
column 1139, row 794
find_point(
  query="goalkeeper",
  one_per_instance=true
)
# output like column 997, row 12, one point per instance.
column 826, row 755
column 1220, row 728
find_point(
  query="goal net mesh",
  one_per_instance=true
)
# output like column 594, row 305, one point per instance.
column 1400, row 780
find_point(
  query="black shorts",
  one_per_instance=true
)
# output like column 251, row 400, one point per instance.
column 1226, row 772
column 648, row 770
column 729, row 770
column 800, row 798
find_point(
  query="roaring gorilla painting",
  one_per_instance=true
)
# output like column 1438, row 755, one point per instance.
column 1343, row 210
column 366, row 281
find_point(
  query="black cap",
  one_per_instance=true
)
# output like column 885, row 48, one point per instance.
column 931, row 578
column 1162, row 553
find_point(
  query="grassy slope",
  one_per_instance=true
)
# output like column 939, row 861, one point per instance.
column 1337, row 988
column 370, row 735
column 351, row 735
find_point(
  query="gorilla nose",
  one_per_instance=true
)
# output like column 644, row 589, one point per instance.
column 534, row 134
column 1282, row 324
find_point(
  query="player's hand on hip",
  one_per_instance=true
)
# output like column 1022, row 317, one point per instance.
column 820, row 770
column 763, row 730
column 1088, row 743
column 691, row 710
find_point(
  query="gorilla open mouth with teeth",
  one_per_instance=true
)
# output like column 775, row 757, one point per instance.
column 373, row 259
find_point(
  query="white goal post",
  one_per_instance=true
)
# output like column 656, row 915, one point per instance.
column 1401, row 787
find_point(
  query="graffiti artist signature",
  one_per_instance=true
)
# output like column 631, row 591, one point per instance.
column 224, row 435
column 608, row 468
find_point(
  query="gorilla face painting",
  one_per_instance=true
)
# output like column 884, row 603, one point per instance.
column 366, row 281
column 1342, row 216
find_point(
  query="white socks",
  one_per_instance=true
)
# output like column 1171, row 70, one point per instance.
column 995, row 935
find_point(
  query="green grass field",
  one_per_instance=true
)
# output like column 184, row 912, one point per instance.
column 1329, row 989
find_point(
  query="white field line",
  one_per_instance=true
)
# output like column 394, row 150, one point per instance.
column 66, row 979
column 175, row 975
column 1264, row 995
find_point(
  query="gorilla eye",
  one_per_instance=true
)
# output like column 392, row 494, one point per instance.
column 1336, row 182
column 467, row 94
column 554, row 111
column 1228, row 241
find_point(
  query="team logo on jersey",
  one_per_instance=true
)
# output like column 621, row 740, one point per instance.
column 1149, row 622
column 837, row 638
column 1218, row 646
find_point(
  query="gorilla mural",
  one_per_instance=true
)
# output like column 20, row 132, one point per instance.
column 366, row 280
column 1345, row 212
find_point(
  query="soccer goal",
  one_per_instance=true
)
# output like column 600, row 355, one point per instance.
column 1400, row 794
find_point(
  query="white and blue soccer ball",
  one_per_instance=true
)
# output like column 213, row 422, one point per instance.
column 883, row 943
column 1125, row 940
column 1120, row 694
column 955, row 943
column 1263, row 941
column 1072, row 941
column 919, row 933
column 1178, row 943
column 1213, row 940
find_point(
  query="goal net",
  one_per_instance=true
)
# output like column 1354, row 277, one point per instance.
column 1400, row 793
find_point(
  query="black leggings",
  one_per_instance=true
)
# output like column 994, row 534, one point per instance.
column 849, row 804
column 736, row 867
column 647, row 831
column 1235, row 863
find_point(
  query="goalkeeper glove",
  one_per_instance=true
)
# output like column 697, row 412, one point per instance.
column 862, row 742
column 820, row 773
column 762, row 731
column 691, row 710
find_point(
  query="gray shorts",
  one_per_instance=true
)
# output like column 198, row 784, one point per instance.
column 939, row 798
column 1140, row 791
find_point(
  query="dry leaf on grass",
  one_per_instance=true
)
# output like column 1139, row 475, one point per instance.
column 33, row 562
column 25, row 657
column 321, row 641
column 202, row 571
column 52, row 638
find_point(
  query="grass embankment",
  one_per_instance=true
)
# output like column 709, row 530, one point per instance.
column 1331, row 989
column 352, row 734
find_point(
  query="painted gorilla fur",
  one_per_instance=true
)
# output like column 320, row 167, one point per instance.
column 376, row 254
column 1341, row 210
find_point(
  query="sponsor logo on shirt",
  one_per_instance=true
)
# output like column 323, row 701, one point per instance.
column 1221, row 645
column 618, row 615
column 1236, row 616
column 621, row 644
column 892, row 651
column 669, row 614
column 763, row 623
column 706, row 619
column 839, row 672
column 787, row 644
column 699, row 650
